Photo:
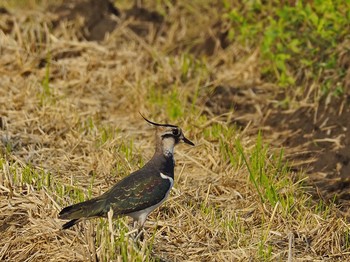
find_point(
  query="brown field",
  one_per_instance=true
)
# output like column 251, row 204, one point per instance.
column 73, row 79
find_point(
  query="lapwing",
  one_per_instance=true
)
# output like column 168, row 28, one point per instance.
column 139, row 193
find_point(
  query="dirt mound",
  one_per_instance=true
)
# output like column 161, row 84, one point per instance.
column 323, row 136
column 316, row 139
column 324, row 130
column 99, row 17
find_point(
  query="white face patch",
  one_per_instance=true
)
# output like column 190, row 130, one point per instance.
column 168, row 146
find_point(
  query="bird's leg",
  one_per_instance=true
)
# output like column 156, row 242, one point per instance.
column 138, row 231
column 140, row 234
column 141, row 221
column 133, row 231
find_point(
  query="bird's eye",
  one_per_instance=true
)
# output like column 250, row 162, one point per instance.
column 176, row 132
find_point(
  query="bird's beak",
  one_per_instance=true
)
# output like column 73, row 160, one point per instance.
column 184, row 139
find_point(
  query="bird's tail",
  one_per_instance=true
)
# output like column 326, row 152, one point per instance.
column 87, row 209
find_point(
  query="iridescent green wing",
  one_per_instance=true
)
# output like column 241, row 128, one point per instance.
column 138, row 191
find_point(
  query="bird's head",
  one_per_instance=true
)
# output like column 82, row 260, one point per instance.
column 168, row 136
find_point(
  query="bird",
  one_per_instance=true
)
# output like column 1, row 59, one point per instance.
column 139, row 193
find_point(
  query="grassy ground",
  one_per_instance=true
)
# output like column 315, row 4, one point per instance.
column 70, row 129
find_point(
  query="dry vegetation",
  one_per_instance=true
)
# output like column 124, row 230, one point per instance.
column 70, row 129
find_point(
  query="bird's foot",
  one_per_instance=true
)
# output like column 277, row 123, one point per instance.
column 136, row 234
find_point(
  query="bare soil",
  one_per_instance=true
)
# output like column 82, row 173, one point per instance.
column 317, row 138
column 100, row 17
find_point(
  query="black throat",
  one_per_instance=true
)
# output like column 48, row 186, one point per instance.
column 163, row 164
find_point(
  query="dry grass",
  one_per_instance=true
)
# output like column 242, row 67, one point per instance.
column 70, row 129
